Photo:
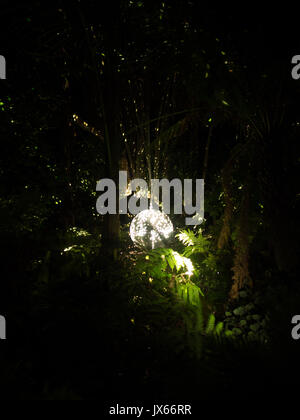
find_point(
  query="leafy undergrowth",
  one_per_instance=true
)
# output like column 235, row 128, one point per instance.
column 140, row 329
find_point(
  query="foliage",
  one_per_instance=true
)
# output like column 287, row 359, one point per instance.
column 166, row 91
column 210, row 265
column 247, row 318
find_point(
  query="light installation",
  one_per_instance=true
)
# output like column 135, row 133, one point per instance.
column 150, row 228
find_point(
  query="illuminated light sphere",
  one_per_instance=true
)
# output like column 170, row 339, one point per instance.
column 150, row 228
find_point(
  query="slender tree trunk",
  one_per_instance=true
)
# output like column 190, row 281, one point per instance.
column 111, row 230
column 206, row 155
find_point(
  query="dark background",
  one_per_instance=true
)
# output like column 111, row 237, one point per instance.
column 217, row 82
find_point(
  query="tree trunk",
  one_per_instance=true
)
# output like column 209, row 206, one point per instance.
column 111, row 229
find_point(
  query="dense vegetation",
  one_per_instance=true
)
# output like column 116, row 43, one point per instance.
column 162, row 90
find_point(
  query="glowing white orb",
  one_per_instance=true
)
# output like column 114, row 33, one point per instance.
column 150, row 228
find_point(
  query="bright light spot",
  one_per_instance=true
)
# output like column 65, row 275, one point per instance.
column 179, row 260
column 183, row 262
column 79, row 232
column 189, row 266
column 150, row 228
column 69, row 249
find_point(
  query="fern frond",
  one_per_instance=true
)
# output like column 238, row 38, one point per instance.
column 210, row 324
column 187, row 237
column 219, row 328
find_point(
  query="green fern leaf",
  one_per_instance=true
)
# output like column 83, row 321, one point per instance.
column 210, row 324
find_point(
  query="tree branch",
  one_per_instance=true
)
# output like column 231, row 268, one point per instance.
column 85, row 126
